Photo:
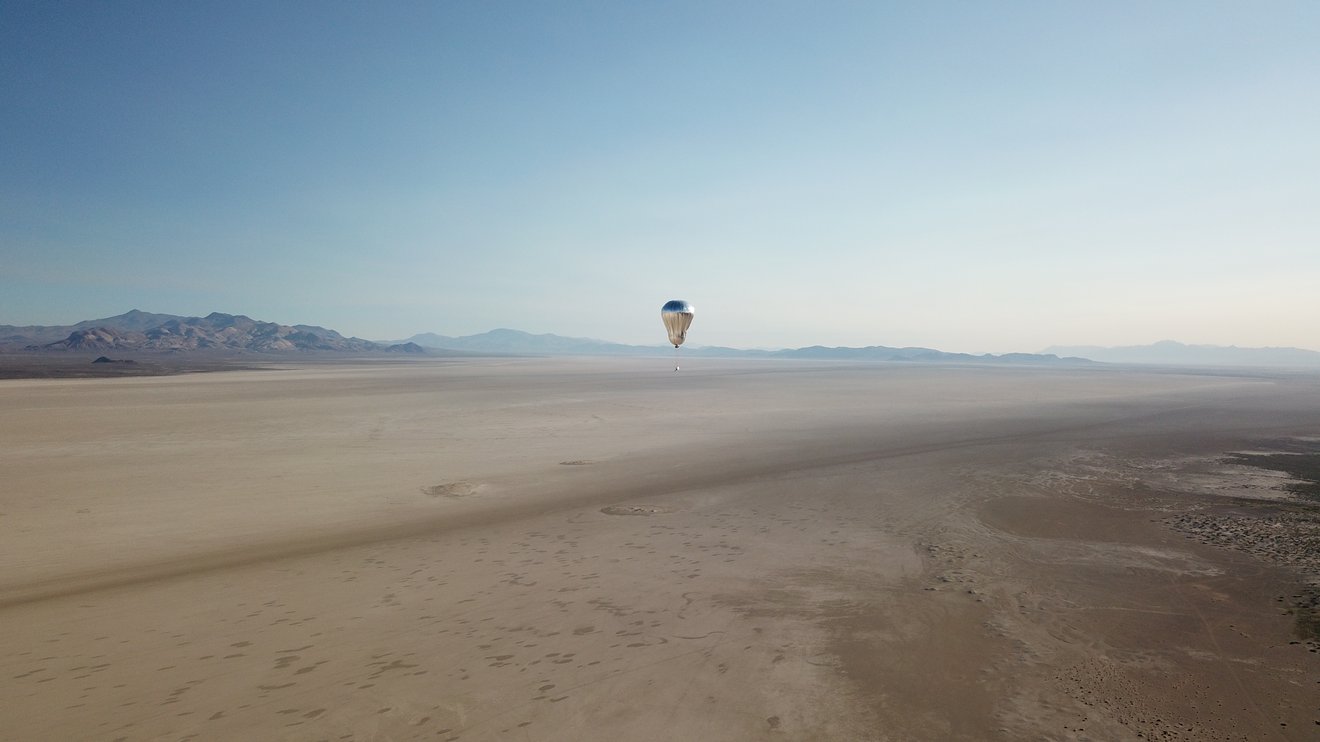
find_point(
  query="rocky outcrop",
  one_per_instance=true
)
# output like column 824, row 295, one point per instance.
column 96, row 338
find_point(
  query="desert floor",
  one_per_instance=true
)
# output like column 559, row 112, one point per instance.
column 607, row 550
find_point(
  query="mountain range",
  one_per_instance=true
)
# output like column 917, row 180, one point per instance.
column 1172, row 353
column 144, row 331
column 138, row 331
column 235, row 333
column 518, row 342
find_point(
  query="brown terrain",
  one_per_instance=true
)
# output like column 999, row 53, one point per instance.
column 604, row 550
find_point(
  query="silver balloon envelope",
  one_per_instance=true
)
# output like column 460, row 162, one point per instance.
column 677, row 316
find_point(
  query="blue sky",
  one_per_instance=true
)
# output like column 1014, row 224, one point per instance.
column 981, row 177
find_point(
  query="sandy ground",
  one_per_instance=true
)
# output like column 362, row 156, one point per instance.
column 607, row 550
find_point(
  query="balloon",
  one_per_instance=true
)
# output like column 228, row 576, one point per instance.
column 677, row 316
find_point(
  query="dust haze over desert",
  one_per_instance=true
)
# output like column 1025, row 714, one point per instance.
column 998, row 415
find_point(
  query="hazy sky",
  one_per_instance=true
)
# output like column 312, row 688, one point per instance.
column 970, row 176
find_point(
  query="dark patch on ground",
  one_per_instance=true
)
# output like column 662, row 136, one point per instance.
column 1298, row 465
column 89, row 365
column 1306, row 609
column 635, row 510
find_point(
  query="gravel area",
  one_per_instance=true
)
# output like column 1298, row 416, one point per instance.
column 1287, row 537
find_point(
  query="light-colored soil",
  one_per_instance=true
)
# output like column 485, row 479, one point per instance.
column 606, row 550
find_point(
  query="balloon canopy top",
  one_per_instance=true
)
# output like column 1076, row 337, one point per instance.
column 677, row 305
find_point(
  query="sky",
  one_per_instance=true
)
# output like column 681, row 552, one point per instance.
column 967, row 176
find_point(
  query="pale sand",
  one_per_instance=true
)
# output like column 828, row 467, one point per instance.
column 607, row 550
